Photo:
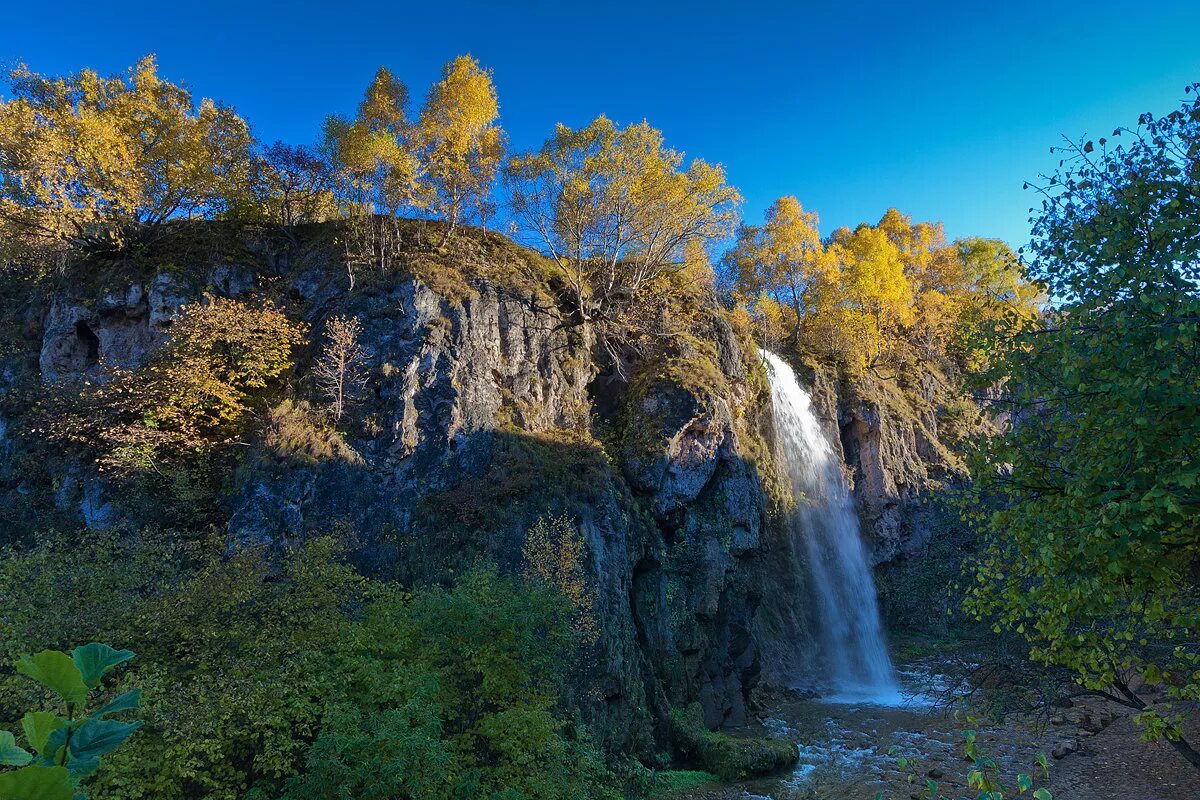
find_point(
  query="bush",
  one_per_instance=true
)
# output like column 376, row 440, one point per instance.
column 236, row 657
column 458, row 693
column 303, row 679
column 193, row 394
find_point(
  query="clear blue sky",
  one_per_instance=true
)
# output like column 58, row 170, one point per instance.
column 942, row 109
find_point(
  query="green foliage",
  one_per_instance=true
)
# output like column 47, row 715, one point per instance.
column 66, row 747
column 299, row 677
column 672, row 781
column 530, row 475
column 729, row 757
column 984, row 777
column 234, row 657
column 1089, row 502
column 455, row 694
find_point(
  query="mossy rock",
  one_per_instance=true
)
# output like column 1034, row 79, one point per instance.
column 727, row 756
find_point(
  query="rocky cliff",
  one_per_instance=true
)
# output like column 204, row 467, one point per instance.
column 899, row 439
column 486, row 409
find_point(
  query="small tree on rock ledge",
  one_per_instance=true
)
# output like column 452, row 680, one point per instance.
column 341, row 373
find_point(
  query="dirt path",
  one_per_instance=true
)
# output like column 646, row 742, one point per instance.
column 1112, row 764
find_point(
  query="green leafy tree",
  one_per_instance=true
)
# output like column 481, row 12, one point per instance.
column 1093, row 540
column 66, row 747
column 238, row 656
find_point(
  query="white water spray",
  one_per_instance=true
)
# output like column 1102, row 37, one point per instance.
column 855, row 650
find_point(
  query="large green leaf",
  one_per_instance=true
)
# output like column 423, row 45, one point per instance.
column 57, row 671
column 95, row 659
column 124, row 702
column 54, row 751
column 10, row 754
column 37, row 783
column 83, row 766
column 38, row 725
column 96, row 737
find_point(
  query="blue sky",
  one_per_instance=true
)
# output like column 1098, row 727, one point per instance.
column 942, row 109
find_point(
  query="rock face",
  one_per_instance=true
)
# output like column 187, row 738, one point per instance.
column 687, row 454
column 485, row 410
column 85, row 336
column 478, row 420
column 891, row 437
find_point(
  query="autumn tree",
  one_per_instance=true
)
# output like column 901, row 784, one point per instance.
column 341, row 373
column 373, row 154
column 194, row 394
column 975, row 290
column 95, row 161
column 875, row 289
column 780, row 262
column 1089, row 503
column 617, row 212
column 555, row 554
column 294, row 185
column 460, row 143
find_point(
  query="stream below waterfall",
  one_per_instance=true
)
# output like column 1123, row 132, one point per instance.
column 849, row 749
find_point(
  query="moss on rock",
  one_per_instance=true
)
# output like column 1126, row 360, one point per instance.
column 727, row 756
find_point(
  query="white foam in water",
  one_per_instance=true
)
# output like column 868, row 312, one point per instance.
column 853, row 645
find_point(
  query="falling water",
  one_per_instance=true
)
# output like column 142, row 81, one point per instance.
column 854, row 649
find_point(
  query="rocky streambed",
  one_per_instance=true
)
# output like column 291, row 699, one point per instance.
column 866, row 748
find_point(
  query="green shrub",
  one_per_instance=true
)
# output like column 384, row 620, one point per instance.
column 457, row 693
column 305, row 680
column 236, row 656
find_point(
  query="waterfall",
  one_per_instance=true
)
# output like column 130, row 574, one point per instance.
column 851, row 635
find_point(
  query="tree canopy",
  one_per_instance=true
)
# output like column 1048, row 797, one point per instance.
column 460, row 143
column 617, row 211
column 1094, row 537
column 373, row 154
column 93, row 160
column 876, row 296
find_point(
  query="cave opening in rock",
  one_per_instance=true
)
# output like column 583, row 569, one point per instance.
column 89, row 343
